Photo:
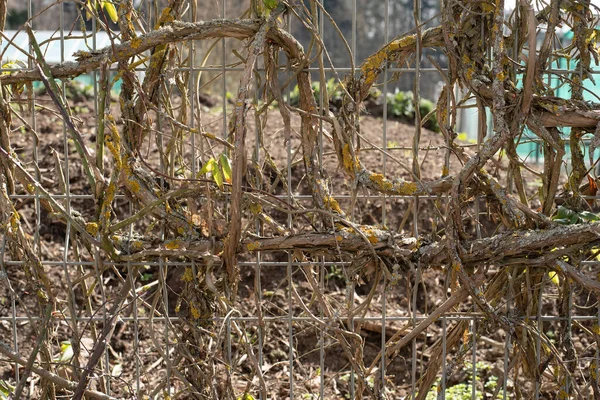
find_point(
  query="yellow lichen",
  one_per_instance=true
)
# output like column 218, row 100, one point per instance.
column 333, row 204
column 487, row 7
column 407, row 188
column 105, row 213
column 255, row 208
column 371, row 235
column 188, row 275
column 133, row 185
column 173, row 244
column 563, row 395
column 381, row 181
column 338, row 238
column 91, row 228
column 350, row 164
column 253, row 246
column 374, row 64
column 195, row 313
column 470, row 73
column 445, row 171
column 136, row 42
column 165, row 17
column 14, row 221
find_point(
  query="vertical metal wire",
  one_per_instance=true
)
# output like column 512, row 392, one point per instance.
column 417, row 174
column 226, row 136
column 99, row 262
column 289, row 271
column 507, row 340
column 446, row 170
column 540, row 332
column 4, row 277
column 321, row 265
column 224, row 74
column 386, row 24
column 13, row 309
column 442, row 394
column 37, row 206
column 569, row 331
column 413, row 314
column 136, row 322
column 350, row 286
column 193, row 97
column 258, row 227
column 163, row 266
column 257, row 275
column 67, row 202
column 322, row 334
column 474, row 358
column 595, row 373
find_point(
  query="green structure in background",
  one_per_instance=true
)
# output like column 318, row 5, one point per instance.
column 528, row 147
column 56, row 49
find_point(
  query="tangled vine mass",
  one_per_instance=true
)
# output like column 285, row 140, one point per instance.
column 204, row 212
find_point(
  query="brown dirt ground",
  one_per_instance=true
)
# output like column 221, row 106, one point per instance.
column 369, row 209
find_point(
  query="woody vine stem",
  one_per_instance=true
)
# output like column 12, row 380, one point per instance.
column 493, row 58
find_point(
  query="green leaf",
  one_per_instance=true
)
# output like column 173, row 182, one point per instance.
column 574, row 219
column 66, row 352
column 566, row 216
column 218, row 177
column 5, row 389
column 110, row 9
column 563, row 212
column 117, row 371
column 89, row 9
column 209, row 166
column 588, row 216
column 270, row 4
column 226, row 166
column 554, row 277
column 12, row 64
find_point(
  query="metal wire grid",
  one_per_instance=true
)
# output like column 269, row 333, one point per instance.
column 16, row 317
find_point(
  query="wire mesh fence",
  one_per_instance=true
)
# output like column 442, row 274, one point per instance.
column 303, row 200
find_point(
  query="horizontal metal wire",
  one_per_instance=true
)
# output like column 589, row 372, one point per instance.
column 284, row 318
column 310, row 69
